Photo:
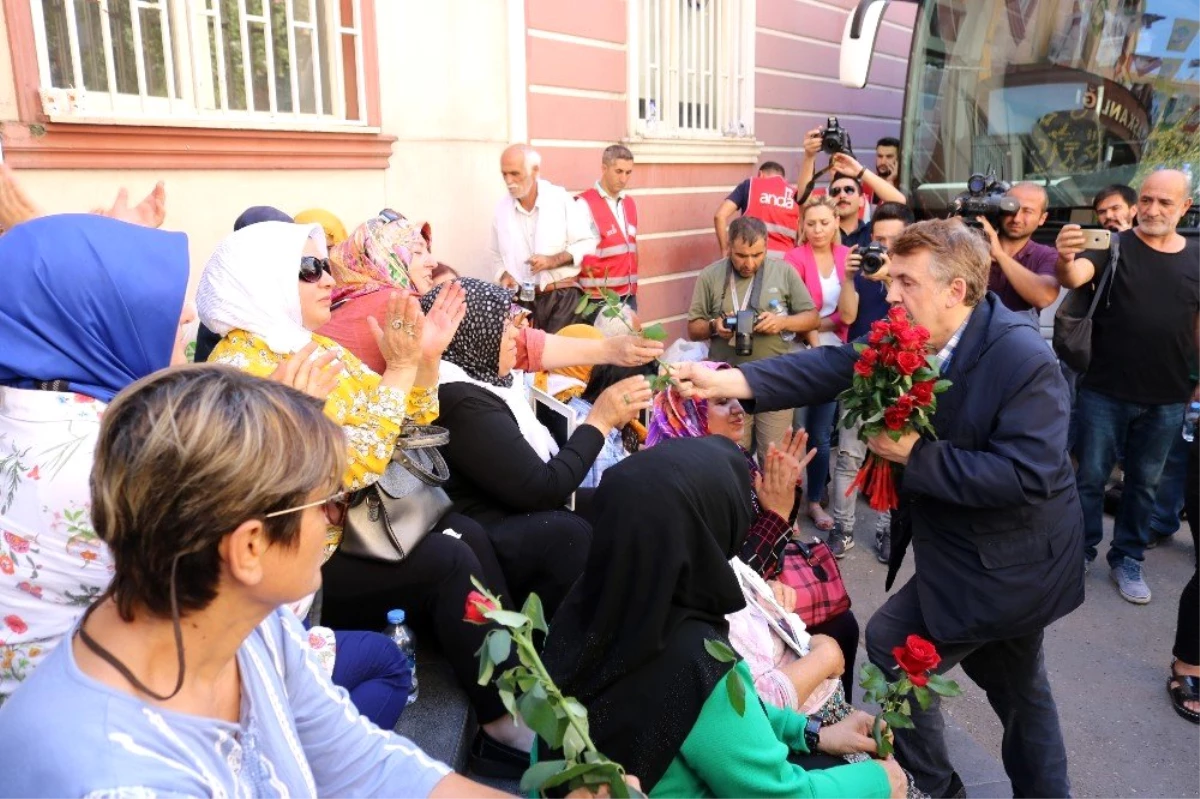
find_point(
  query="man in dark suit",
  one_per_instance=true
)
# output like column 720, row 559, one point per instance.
column 989, row 505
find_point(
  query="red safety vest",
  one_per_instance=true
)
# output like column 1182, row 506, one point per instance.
column 614, row 264
column 774, row 202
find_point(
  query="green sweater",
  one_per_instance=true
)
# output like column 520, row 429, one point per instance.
column 729, row 755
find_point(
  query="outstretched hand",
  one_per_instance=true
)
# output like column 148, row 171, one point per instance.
column 305, row 370
column 443, row 320
column 399, row 338
column 15, row 205
column 150, row 212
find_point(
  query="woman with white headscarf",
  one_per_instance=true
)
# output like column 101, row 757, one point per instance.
column 264, row 290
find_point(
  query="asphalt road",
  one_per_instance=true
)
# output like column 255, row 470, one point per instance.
column 1108, row 663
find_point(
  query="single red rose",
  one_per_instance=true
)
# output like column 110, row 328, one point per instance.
column 895, row 418
column 863, row 369
column 923, row 332
column 922, row 393
column 905, row 403
column 887, row 356
column 911, row 339
column 908, row 362
column 897, row 314
column 869, row 356
column 477, row 605
column 875, row 339
column 16, row 624
column 881, row 327
column 916, row 658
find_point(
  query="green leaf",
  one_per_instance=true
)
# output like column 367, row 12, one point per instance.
column 577, row 770
column 536, row 775
column 573, row 744
column 582, row 306
column 499, row 644
column 510, row 702
column 941, row 385
column 872, row 679
column 894, row 435
column 906, row 708
column 612, row 312
column 508, row 618
column 611, row 297
column 537, row 617
column 719, row 650
column 923, row 696
column 655, row 332
column 882, row 745
column 575, row 708
column 737, row 692
column 538, row 714
column 486, row 667
column 898, row 721
column 942, row 686
column 525, row 680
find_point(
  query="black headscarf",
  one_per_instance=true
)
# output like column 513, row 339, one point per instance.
column 260, row 213
column 476, row 346
column 628, row 641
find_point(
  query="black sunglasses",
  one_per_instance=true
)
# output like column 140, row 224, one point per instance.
column 836, row 190
column 312, row 268
column 388, row 215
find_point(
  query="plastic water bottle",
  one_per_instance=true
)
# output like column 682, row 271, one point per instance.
column 1190, row 417
column 776, row 307
column 398, row 631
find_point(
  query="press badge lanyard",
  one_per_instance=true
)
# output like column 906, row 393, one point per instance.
column 751, row 298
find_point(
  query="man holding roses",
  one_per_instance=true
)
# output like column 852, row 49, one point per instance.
column 989, row 503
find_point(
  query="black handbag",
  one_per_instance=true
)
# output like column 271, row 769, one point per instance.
column 1073, row 320
column 386, row 520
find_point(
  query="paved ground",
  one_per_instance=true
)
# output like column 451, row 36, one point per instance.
column 1108, row 664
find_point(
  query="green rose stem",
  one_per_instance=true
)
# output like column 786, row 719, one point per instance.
column 612, row 309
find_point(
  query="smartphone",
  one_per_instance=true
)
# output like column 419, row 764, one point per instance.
column 1097, row 239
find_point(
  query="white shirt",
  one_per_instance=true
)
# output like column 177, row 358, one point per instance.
column 617, row 206
column 831, row 292
column 556, row 223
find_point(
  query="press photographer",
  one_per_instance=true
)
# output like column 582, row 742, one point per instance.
column 846, row 171
column 1023, row 271
column 732, row 310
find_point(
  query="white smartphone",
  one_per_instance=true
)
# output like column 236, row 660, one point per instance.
column 1097, row 239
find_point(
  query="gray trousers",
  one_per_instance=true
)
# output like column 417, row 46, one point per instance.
column 1013, row 674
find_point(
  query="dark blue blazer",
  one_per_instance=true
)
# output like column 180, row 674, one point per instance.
column 990, row 505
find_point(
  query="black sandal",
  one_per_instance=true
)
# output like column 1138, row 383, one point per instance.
column 1184, row 688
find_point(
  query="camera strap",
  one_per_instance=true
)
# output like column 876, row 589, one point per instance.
column 812, row 183
column 752, row 297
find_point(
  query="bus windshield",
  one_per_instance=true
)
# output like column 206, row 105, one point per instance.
column 1073, row 94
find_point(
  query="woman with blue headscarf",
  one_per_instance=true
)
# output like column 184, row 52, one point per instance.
column 90, row 305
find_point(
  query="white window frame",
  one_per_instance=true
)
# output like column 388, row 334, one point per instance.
column 196, row 96
column 727, row 84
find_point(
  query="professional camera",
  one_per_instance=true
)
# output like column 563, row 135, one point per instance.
column 742, row 325
column 985, row 196
column 834, row 138
column 874, row 256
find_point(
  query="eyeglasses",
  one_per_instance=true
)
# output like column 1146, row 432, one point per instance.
column 388, row 215
column 834, row 191
column 334, row 508
column 312, row 268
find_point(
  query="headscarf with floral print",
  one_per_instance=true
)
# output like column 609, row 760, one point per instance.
column 375, row 256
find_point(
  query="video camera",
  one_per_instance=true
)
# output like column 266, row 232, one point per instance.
column 874, row 255
column 835, row 139
column 742, row 325
column 985, row 196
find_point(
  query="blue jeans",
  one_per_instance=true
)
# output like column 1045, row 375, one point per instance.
column 375, row 673
column 1168, row 503
column 818, row 421
column 1144, row 433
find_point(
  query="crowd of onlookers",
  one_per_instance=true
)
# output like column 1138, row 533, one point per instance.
column 186, row 608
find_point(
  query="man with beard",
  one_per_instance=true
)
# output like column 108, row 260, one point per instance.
column 1115, row 207
column 1132, row 399
column 540, row 235
column 1023, row 271
column 887, row 161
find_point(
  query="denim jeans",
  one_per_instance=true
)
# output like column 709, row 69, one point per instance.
column 818, row 421
column 1168, row 502
column 1144, row 433
column 848, row 459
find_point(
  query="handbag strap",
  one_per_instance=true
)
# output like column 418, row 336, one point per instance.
column 1106, row 277
column 422, row 436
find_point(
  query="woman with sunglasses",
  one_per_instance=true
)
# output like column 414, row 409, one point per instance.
column 821, row 262
column 250, row 294
column 213, row 491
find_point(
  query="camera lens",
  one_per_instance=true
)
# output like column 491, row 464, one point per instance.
column 976, row 183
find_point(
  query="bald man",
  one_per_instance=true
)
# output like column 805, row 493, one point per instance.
column 1133, row 396
column 540, row 235
column 1023, row 271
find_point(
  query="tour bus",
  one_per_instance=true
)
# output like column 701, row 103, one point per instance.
column 1072, row 94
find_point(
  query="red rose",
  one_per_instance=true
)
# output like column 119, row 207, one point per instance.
column 898, row 315
column 869, row 356
column 895, row 418
column 922, row 393
column 887, row 355
column 477, row 605
column 905, row 403
column 863, row 369
column 910, row 338
column 917, row 657
column 908, row 362
column 923, row 333
column 16, row 624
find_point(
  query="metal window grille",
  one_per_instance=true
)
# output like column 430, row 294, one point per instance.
column 693, row 65
column 287, row 61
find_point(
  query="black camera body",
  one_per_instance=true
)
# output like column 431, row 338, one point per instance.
column 874, row 255
column 834, row 138
column 985, row 196
column 742, row 325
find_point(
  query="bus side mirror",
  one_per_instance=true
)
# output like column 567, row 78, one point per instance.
column 858, row 42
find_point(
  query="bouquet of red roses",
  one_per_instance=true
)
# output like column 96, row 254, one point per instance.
column 894, row 391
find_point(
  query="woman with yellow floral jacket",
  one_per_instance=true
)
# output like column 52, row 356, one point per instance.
column 264, row 290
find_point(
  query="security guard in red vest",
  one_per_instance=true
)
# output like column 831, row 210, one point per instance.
column 767, row 197
column 615, row 262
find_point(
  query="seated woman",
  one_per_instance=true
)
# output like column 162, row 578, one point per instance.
column 630, row 642
column 265, row 314
column 773, row 493
column 621, row 442
column 213, row 490
column 506, row 471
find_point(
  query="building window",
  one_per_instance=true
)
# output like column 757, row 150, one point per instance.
column 693, row 68
column 241, row 63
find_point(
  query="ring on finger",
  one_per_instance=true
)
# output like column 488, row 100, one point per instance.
column 397, row 324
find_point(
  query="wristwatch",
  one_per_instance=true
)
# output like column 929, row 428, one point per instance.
column 812, row 734
column 712, row 328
